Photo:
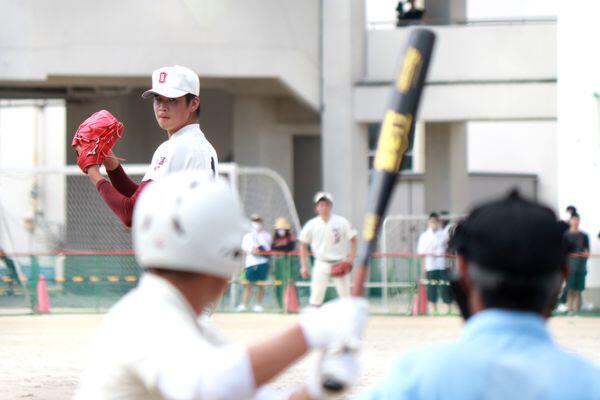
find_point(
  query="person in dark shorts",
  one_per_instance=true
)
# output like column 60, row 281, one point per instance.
column 254, row 244
column 578, row 244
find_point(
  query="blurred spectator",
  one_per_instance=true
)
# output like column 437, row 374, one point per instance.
column 432, row 246
column 578, row 244
column 411, row 14
column 12, row 272
column 283, row 241
column 283, row 238
column 447, row 230
column 566, row 217
column 564, row 227
column 447, row 226
column 256, row 241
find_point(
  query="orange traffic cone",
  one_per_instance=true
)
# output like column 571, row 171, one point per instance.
column 420, row 303
column 290, row 300
column 42, row 295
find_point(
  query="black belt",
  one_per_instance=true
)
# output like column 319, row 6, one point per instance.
column 329, row 261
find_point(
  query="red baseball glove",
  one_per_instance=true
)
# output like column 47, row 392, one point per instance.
column 95, row 137
column 341, row 268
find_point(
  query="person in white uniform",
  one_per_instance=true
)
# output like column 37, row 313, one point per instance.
column 254, row 243
column 187, row 230
column 175, row 91
column 332, row 240
column 432, row 247
column 186, row 146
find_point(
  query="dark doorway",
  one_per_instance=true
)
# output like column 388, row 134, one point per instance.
column 307, row 173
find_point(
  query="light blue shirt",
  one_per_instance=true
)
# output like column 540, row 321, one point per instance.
column 500, row 355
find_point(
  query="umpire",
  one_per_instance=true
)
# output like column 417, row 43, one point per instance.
column 511, row 264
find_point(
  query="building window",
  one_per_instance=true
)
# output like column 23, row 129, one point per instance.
column 407, row 160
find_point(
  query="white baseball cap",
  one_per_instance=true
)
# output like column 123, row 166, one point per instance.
column 173, row 82
column 323, row 196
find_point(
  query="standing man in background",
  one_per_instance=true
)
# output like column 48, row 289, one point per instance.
column 578, row 244
column 175, row 92
column 432, row 247
column 255, row 242
column 332, row 240
column 566, row 217
column 564, row 225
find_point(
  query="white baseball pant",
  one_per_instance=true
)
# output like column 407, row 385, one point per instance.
column 320, row 276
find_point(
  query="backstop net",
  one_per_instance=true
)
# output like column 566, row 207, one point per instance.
column 53, row 224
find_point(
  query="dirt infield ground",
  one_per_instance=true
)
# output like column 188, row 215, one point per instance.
column 41, row 356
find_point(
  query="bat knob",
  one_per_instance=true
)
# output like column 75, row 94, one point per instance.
column 339, row 367
column 333, row 385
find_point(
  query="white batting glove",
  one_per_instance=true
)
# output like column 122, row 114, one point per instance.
column 339, row 321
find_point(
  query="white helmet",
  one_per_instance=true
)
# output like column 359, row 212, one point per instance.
column 189, row 221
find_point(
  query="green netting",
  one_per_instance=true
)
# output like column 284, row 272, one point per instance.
column 93, row 283
column 75, row 283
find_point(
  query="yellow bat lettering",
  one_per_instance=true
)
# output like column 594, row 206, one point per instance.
column 393, row 141
column 369, row 230
column 410, row 70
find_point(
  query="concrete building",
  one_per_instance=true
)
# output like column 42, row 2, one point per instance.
column 300, row 86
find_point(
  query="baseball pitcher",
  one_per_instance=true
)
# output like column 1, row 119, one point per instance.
column 175, row 92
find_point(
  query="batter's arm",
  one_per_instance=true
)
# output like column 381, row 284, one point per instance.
column 267, row 359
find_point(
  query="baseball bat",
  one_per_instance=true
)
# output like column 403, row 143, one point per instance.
column 395, row 138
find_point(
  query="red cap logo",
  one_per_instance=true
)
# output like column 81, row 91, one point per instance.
column 162, row 77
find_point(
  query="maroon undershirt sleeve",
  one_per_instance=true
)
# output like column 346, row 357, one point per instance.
column 121, row 205
column 122, row 182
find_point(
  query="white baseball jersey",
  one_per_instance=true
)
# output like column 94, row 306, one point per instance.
column 251, row 242
column 431, row 244
column 152, row 346
column 187, row 148
column 329, row 241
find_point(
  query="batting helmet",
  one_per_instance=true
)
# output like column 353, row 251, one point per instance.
column 189, row 222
